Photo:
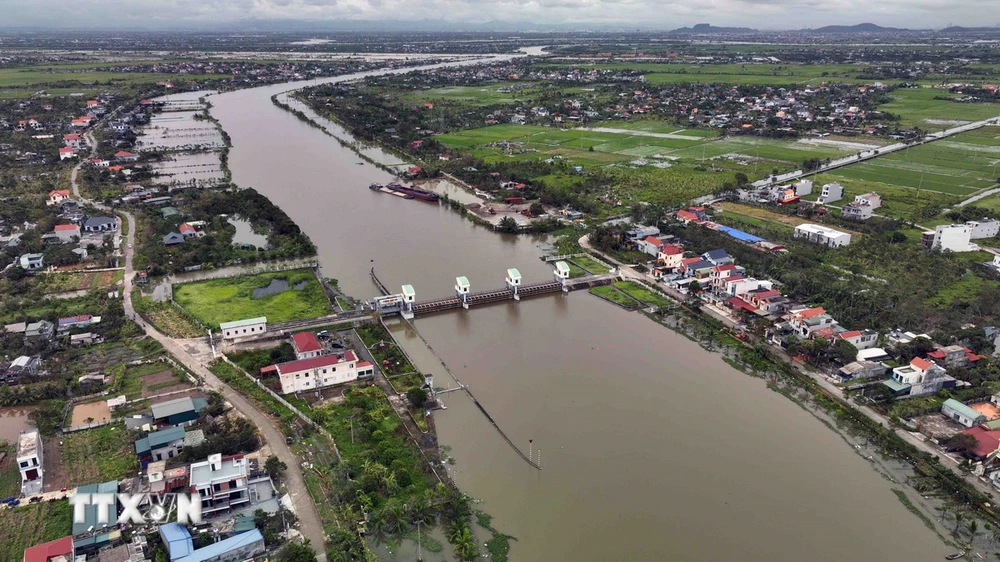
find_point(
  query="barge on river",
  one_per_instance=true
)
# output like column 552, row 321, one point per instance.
column 411, row 191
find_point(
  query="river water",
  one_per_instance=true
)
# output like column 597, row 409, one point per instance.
column 652, row 448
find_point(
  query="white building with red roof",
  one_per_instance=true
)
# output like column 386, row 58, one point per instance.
column 57, row 196
column 323, row 371
column 72, row 141
column 670, row 256
column 306, row 345
column 66, row 153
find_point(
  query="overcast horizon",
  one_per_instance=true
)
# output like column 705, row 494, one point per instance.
column 765, row 15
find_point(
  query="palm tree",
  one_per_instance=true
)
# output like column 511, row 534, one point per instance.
column 466, row 548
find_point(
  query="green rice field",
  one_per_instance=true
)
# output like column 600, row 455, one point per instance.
column 959, row 165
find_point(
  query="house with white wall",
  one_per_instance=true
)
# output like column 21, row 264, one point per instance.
column 824, row 235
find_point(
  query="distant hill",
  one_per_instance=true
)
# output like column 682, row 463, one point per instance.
column 859, row 28
column 709, row 28
column 960, row 29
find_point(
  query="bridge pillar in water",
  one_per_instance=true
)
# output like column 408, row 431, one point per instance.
column 514, row 281
column 462, row 290
column 561, row 274
column 409, row 297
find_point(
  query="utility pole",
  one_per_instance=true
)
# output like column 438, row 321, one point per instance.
column 420, row 555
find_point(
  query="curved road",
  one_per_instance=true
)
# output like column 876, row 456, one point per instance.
column 309, row 521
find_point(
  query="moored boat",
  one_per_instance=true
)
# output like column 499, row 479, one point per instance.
column 416, row 192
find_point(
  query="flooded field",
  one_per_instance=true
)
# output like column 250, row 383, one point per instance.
column 192, row 142
column 188, row 170
column 91, row 412
column 14, row 420
column 245, row 234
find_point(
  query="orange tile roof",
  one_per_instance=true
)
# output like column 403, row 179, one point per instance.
column 921, row 364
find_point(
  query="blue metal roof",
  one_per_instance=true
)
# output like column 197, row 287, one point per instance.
column 224, row 546
column 178, row 540
column 740, row 235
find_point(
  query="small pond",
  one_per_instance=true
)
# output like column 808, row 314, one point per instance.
column 277, row 286
column 14, row 420
column 246, row 235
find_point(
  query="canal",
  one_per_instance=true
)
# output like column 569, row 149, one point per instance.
column 652, row 448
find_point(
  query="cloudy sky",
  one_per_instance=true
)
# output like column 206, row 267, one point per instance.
column 760, row 14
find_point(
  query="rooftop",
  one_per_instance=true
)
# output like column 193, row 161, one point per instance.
column 202, row 473
column 216, row 549
column 819, row 229
column 172, row 407
column 316, row 362
column 47, row 550
column 241, row 323
column 27, row 443
column 962, row 409
column 306, row 342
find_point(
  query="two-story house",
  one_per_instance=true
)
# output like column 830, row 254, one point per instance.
column 808, row 322
column 220, row 482
column 29, row 462
column 670, row 256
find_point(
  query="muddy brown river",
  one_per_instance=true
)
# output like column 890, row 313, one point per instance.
column 651, row 447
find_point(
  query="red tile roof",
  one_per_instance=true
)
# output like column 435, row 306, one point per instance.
column 672, row 250
column 654, row 241
column 315, row 362
column 851, row 334
column 43, row 552
column 987, row 441
column 65, row 150
column 185, row 228
column 767, row 294
column 937, row 354
column 809, row 313
column 686, row 216
column 689, row 261
column 363, row 364
column 921, row 364
column 64, row 192
column 71, row 137
column 65, row 227
column 123, row 154
column 727, row 267
column 305, row 342
column 736, row 302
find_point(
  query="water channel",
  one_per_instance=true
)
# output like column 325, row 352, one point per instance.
column 652, row 448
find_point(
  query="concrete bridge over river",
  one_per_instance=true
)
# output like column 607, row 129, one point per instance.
column 405, row 302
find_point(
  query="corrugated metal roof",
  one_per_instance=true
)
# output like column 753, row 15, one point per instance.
column 172, row 407
column 224, row 546
column 241, row 323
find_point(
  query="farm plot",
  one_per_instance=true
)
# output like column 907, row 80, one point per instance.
column 32, row 524
column 960, row 165
column 917, row 107
column 98, row 455
column 897, row 202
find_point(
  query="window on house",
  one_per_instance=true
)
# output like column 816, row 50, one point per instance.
column 217, row 487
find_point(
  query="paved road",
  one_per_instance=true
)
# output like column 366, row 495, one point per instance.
column 915, row 439
column 309, row 521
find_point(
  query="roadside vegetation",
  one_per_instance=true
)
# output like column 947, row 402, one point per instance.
column 28, row 525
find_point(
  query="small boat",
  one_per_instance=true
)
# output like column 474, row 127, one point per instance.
column 955, row 555
column 416, row 192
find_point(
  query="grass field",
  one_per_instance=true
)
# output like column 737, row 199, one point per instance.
column 223, row 300
column 589, row 264
column 32, row 524
column 657, row 73
column 612, row 294
column 480, row 95
column 617, row 143
column 918, row 108
column 897, row 202
column 641, row 294
column 98, row 455
column 59, row 74
column 959, row 165
column 61, row 282
column 165, row 316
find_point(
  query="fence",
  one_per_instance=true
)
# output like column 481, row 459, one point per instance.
column 287, row 404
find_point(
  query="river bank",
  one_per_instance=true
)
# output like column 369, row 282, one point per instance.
column 611, row 402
